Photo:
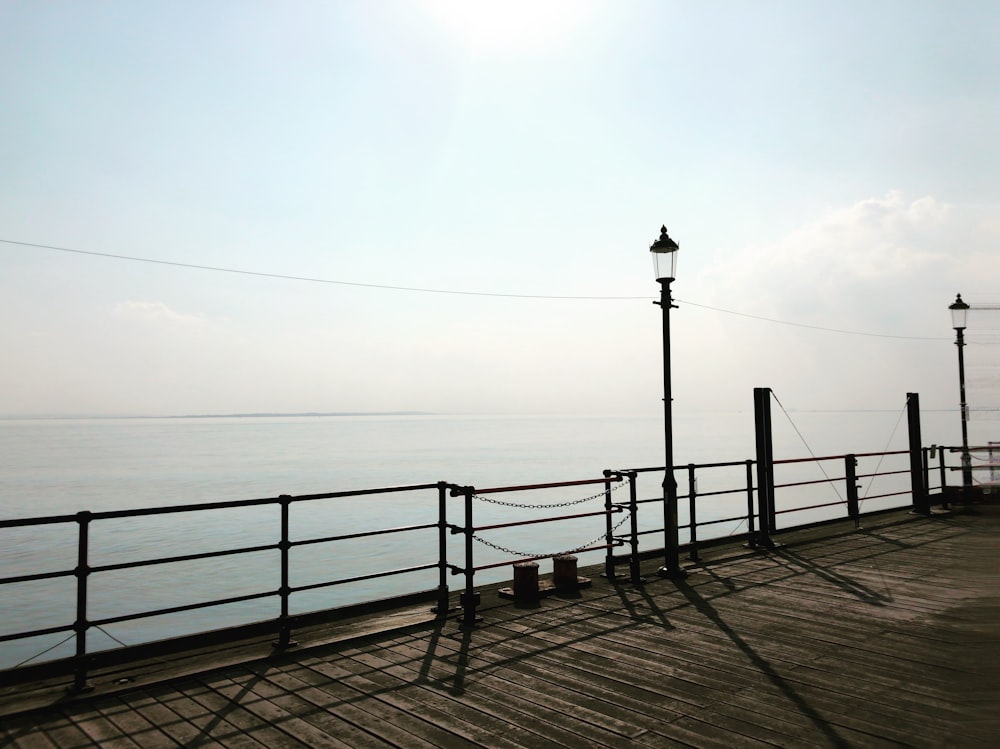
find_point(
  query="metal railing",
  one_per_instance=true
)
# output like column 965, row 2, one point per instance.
column 281, row 624
column 607, row 522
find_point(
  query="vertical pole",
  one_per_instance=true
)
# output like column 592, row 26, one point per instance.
column 609, row 539
column 765, row 468
column 692, row 514
column 633, row 509
column 81, row 625
column 851, row 479
column 943, row 475
column 925, row 461
column 966, row 458
column 772, row 522
column 671, row 548
column 921, row 502
column 751, row 527
column 469, row 598
column 443, row 594
column 285, row 545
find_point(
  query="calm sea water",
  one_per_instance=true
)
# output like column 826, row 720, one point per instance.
column 54, row 467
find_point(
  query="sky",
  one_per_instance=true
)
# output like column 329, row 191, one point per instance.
column 433, row 205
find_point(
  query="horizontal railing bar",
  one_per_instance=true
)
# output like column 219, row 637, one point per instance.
column 365, row 492
column 44, row 520
column 545, row 556
column 882, row 473
column 728, row 464
column 179, row 609
column 36, row 576
column 882, row 496
column 205, row 506
column 174, row 509
column 361, row 578
column 723, row 520
column 363, row 534
column 182, row 558
column 838, row 503
column 648, row 501
column 741, row 490
column 544, row 520
column 36, row 633
column 879, row 455
column 830, row 480
column 553, row 485
column 839, row 457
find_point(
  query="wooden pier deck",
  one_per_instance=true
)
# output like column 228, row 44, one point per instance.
column 889, row 636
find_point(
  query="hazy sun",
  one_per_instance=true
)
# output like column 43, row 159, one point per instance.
column 509, row 27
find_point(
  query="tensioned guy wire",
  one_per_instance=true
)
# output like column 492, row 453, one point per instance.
column 811, row 453
column 388, row 287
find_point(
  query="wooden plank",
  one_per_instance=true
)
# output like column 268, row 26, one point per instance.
column 128, row 722
column 466, row 723
column 592, row 711
column 103, row 732
column 235, row 720
column 288, row 730
column 558, row 719
column 175, row 727
column 385, row 724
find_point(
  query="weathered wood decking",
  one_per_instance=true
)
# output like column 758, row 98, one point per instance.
column 885, row 637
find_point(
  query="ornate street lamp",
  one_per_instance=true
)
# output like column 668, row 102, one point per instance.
column 959, row 313
column 664, row 251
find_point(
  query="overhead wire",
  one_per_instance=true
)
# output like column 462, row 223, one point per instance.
column 461, row 292
column 286, row 277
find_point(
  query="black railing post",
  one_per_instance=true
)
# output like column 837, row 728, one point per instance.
column 609, row 539
column 443, row 603
column 469, row 598
column 851, row 479
column 751, row 526
column 925, row 462
column 943, row 471
column 765, row 464
column 633, row 531
column 81, row 625
column 921, row 502
column 692, row 513
column 285, row 545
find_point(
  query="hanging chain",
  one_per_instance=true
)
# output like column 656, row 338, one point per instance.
column 514, row 553
column 571, row 502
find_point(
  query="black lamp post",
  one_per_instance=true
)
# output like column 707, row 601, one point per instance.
column 959, row 312
column 664, row 252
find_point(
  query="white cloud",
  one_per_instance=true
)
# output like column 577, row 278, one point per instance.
column 885, row 266
column 154, row 312
column 850, row 263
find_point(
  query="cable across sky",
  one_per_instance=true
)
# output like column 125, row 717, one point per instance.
column 388, row 287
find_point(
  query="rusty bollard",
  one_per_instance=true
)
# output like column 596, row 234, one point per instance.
column 526, row 581
column 564, row 572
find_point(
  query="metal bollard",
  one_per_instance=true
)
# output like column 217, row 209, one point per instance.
column 526, row 581
column 564, row 572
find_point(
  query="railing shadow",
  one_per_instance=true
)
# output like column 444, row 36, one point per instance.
column 703, row 607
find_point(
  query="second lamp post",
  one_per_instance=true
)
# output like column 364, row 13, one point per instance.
column 959, row 313
column 664, row 251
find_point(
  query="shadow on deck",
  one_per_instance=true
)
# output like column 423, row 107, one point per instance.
column 886, row 636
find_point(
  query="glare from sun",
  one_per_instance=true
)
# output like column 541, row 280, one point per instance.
column 485, row 28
